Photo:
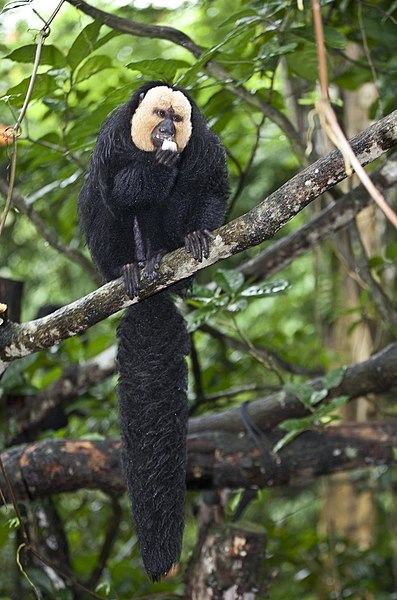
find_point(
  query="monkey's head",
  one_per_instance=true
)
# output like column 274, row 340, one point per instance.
column 162, row 119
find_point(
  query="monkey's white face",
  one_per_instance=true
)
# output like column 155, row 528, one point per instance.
column 156, row 104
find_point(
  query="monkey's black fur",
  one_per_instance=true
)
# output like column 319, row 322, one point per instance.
column 131, row 208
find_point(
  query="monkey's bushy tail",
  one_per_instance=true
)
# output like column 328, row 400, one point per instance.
column 153, row 419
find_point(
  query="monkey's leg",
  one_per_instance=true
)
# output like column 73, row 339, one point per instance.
column 131, row 271
column 197, row 244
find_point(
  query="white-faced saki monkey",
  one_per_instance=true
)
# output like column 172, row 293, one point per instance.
column 157, row 180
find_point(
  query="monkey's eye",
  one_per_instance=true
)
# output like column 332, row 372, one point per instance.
column 160, row 113
column 177, row 118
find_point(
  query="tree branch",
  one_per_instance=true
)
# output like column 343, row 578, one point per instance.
column 384, row 305
column 261, row 223
column 375, row 375
column 74, row 382
column 330, row 220
column 215, row 459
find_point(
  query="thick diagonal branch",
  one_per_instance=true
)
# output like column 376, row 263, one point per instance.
column 260, row 224
column 330, row 220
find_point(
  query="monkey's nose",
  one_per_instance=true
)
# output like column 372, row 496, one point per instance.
column 167, row 127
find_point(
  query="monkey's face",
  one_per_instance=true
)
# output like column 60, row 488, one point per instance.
column 162, row 115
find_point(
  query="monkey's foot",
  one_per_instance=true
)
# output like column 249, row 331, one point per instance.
column 197, row 244
column 132, row 273
column 151, row 266
column 131, row 276
column 169, row 158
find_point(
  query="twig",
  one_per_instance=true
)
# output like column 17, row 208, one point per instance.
column 377, row 374
column 231, row 393
column 368, row 53
column 331, row 126
column 43, row 34
column 265, row 358
column 382, row 302
column 247, row 168
column 13, row 166
column 110, row 538
column 68, row 387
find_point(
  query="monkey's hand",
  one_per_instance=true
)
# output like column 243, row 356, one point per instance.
column 169, row 158
column 132, row 273
column 131, row 276
column 197, row 244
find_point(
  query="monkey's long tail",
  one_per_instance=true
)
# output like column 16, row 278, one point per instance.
column 153, row 419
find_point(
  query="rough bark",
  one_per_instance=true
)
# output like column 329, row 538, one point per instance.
column 330, row 220
column 215, row 460
column 231, row 565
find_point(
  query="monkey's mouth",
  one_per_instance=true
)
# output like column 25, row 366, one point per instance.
column 158, row 138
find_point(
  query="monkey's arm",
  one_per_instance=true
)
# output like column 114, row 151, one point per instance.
column 135, row 186
column 199, row 205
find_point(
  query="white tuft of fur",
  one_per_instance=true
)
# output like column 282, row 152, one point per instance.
column 169, row 145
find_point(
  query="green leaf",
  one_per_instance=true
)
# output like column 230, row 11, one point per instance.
column 44, row 85
column 84, row 44
column 200, row 292
column 333, row 378
column 375, row 262
column 159, row 68
column 334, row 38
column 93, row 65
column 228, row 280
column 286, row 439
column 303, row 391
column 352, row 78
column 336, row 403
column 237, row 17
column 304, row 62
column 238, row 306
column 50, row 55
column 14, row 377
column 317, row 396
column 13, row 5
column 265, row 289
column 250, row 526
column 202, row 315
column 14, row 523
column 106, row 38
column 274, row 49
column 297, row 425
column 391, row 251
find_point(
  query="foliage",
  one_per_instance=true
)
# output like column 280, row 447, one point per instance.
column 86, row 70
